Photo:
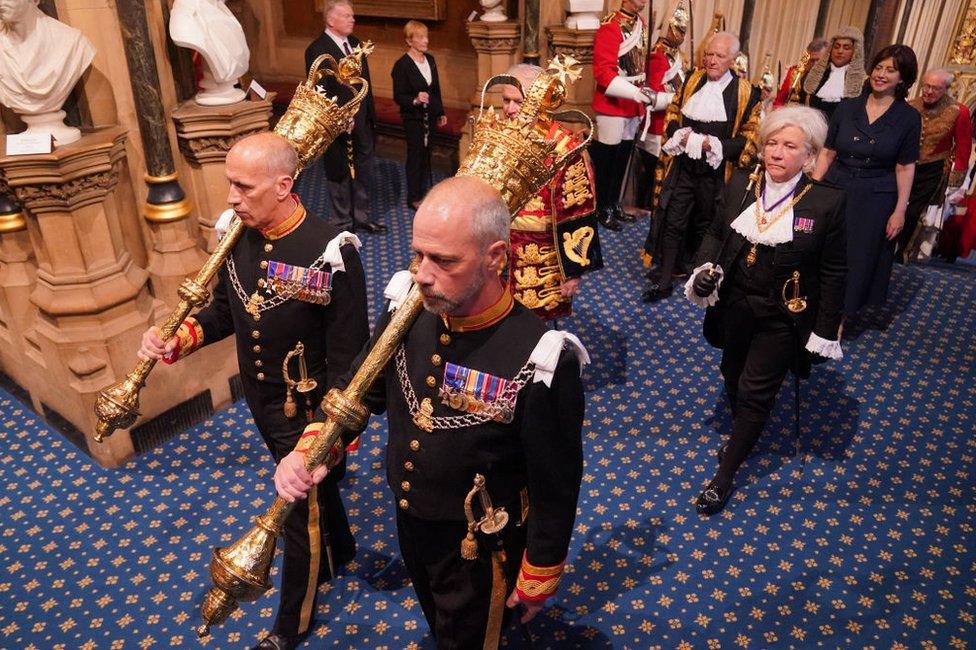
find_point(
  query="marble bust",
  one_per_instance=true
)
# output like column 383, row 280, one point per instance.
column 210, row 28
column 494, row 11
column 41, row 60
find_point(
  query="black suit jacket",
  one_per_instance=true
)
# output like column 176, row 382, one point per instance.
column 335, row 156
column 820, row 257
column 407, row 82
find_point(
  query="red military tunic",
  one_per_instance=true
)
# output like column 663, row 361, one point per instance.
column 555, row 238
column 619, row 45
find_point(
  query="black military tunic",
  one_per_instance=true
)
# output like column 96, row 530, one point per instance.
column 537, row 454
column 332, row 335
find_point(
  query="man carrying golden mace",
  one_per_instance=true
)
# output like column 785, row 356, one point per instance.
column 471, row 365
column 288, row 285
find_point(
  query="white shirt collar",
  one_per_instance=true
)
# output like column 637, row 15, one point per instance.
column 722, row 81
column 339, row 40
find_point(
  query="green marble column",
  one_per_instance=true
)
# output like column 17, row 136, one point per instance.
column 530, row 34
column 166, row 200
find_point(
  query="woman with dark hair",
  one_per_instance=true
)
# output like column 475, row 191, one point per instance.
column 417, row 91
column 871, row 149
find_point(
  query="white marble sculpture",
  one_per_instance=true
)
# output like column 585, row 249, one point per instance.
column 494, row 11
column 583, row 14
column 41, row 60
column 210, row 28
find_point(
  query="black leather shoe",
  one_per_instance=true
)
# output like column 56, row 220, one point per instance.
column 713, row 498
column 621, row 214
column 372, row 227
column 608, row 220
column 275, row 641
column 657, row 293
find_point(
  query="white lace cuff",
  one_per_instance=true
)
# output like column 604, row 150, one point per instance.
column 673, row 146
column 825, row 348
column 714, row 157
column 693, row 148
column 711, row 298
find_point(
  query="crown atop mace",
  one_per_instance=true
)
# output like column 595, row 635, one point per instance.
column 518, row 156
column 314, row 119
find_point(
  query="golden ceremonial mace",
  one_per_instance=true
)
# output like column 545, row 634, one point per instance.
column 311, row 123
column 240, row 572
column 514, row 156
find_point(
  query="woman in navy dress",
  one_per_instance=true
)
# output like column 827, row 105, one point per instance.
column 871, row 148
column 417, row 90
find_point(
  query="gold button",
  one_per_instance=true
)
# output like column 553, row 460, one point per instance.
column 445, row 339
column 431, row 381
column 257, row 317
column 259, row 363
column 415, row 445
column 408, row 466
column 260, row 376
column 262, row 282
column 404, row 504
column 268, row 248
column 435, row 359
column 405, row 486
column 257, row 349
column 255, row 334
column 264, row 264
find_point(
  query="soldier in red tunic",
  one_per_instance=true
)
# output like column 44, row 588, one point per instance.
column 619, row 51
column 665, row 74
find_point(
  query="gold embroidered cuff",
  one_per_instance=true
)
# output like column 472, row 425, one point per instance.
column 535, row 584
column 308, row 437
column 189, row 337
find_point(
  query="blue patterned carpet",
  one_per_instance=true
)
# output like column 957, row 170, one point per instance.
column 865, row 540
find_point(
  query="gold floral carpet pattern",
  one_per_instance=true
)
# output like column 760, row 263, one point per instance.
column 865, row 539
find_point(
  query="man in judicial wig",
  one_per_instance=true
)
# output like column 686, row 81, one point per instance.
column 772, row 274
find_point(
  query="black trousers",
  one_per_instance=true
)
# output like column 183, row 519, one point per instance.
column 645, row 179
column 689, row 212
column 418, row 161
column 929, row 181
column 609, row 166
column 351, row 206
column 455, row 593
column 314, row 526
column 759, row 350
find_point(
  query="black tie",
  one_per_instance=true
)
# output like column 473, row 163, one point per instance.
column 345, row 46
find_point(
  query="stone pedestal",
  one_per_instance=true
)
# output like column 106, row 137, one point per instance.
column 206, row 134
column 497, row 45
column 583, row 14
column 18, row 271
column 579, row 45
column 91, row 301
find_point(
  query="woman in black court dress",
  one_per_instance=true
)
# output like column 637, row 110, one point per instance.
column 417, row 91
column 871, row 148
